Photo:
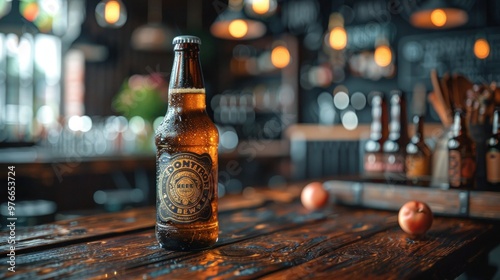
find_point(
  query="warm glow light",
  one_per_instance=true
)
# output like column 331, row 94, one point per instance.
column 383, row 55
column 280, row 57
column 438, row 17
column 481, row 48
column 112, row 12
column 238, row 28
column 261, row 6
column 338, row 38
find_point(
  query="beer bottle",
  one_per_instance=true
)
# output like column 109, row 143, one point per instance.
column 461, row 154
column 418, row 154
column 395, row 146
column 493, row 152
column 374, row 154
column 186, row 158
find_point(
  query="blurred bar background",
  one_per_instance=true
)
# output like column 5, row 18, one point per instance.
column 83, row 84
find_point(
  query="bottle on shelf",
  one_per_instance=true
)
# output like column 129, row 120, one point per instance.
column 418, row 154
column 493, row 152
column 461, row 154
column 395, row 146
column 374, row 154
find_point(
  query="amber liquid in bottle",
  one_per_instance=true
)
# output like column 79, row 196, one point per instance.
column 374, row 154
column 186, row 159
column 395, row 146
column 461, row 154
column 418, row 154
column 493, row 152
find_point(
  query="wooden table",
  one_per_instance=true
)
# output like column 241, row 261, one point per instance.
column 263, row 234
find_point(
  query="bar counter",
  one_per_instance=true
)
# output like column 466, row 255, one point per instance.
column 264, row 233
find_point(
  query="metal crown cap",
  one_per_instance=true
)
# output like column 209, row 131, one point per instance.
column 186, row 39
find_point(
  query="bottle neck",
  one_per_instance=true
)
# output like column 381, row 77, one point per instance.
column 459, row 127
column 379, row 129
column 187, row 88
column 418, row 121
column 398, row 126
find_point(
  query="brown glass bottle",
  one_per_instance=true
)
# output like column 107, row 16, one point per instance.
column 493, row 152
column 395, row 145
column 418, row 154
column 374, row 154
column 186, row 159
column 461, row 154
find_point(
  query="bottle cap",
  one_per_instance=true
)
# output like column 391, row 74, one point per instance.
column 186, row 39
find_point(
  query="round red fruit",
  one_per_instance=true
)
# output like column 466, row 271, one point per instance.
column 314, row 196
column 415, row 218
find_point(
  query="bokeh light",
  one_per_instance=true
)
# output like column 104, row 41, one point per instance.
column 112, row 12
column 238, row 28
column 341, row 100
column 438, row 17
column 338, row 38
column 481, row 48
column 86, row 123
column 350, row 120
column 383, row 56
column 280, row 57
column 358, row 100
column 261, row 6
column 137, row 124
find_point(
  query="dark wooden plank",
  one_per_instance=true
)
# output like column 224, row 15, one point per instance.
column 259, row 256
column 80, row 229
column 105, row 256
column 392, row 197
column 109, row 224
column 484, row 204
column 443, row 254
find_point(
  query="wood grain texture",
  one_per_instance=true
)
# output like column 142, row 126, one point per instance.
column 263, row 234
column 391, row 254
column 264, row 254
column 105, row 256
column 485, row 204
column 80, row 229
column 449, row 202
column 110, row 224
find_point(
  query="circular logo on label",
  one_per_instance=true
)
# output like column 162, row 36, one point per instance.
column 185, row 186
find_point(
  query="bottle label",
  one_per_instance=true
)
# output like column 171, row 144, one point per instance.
column 493, row 166
column 185, row 187
column 417, row 165
column 395, row 163
column 468, row 167
column 374, row 163
column 454, row 167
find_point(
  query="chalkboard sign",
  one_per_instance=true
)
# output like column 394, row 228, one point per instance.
column 451, row 52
